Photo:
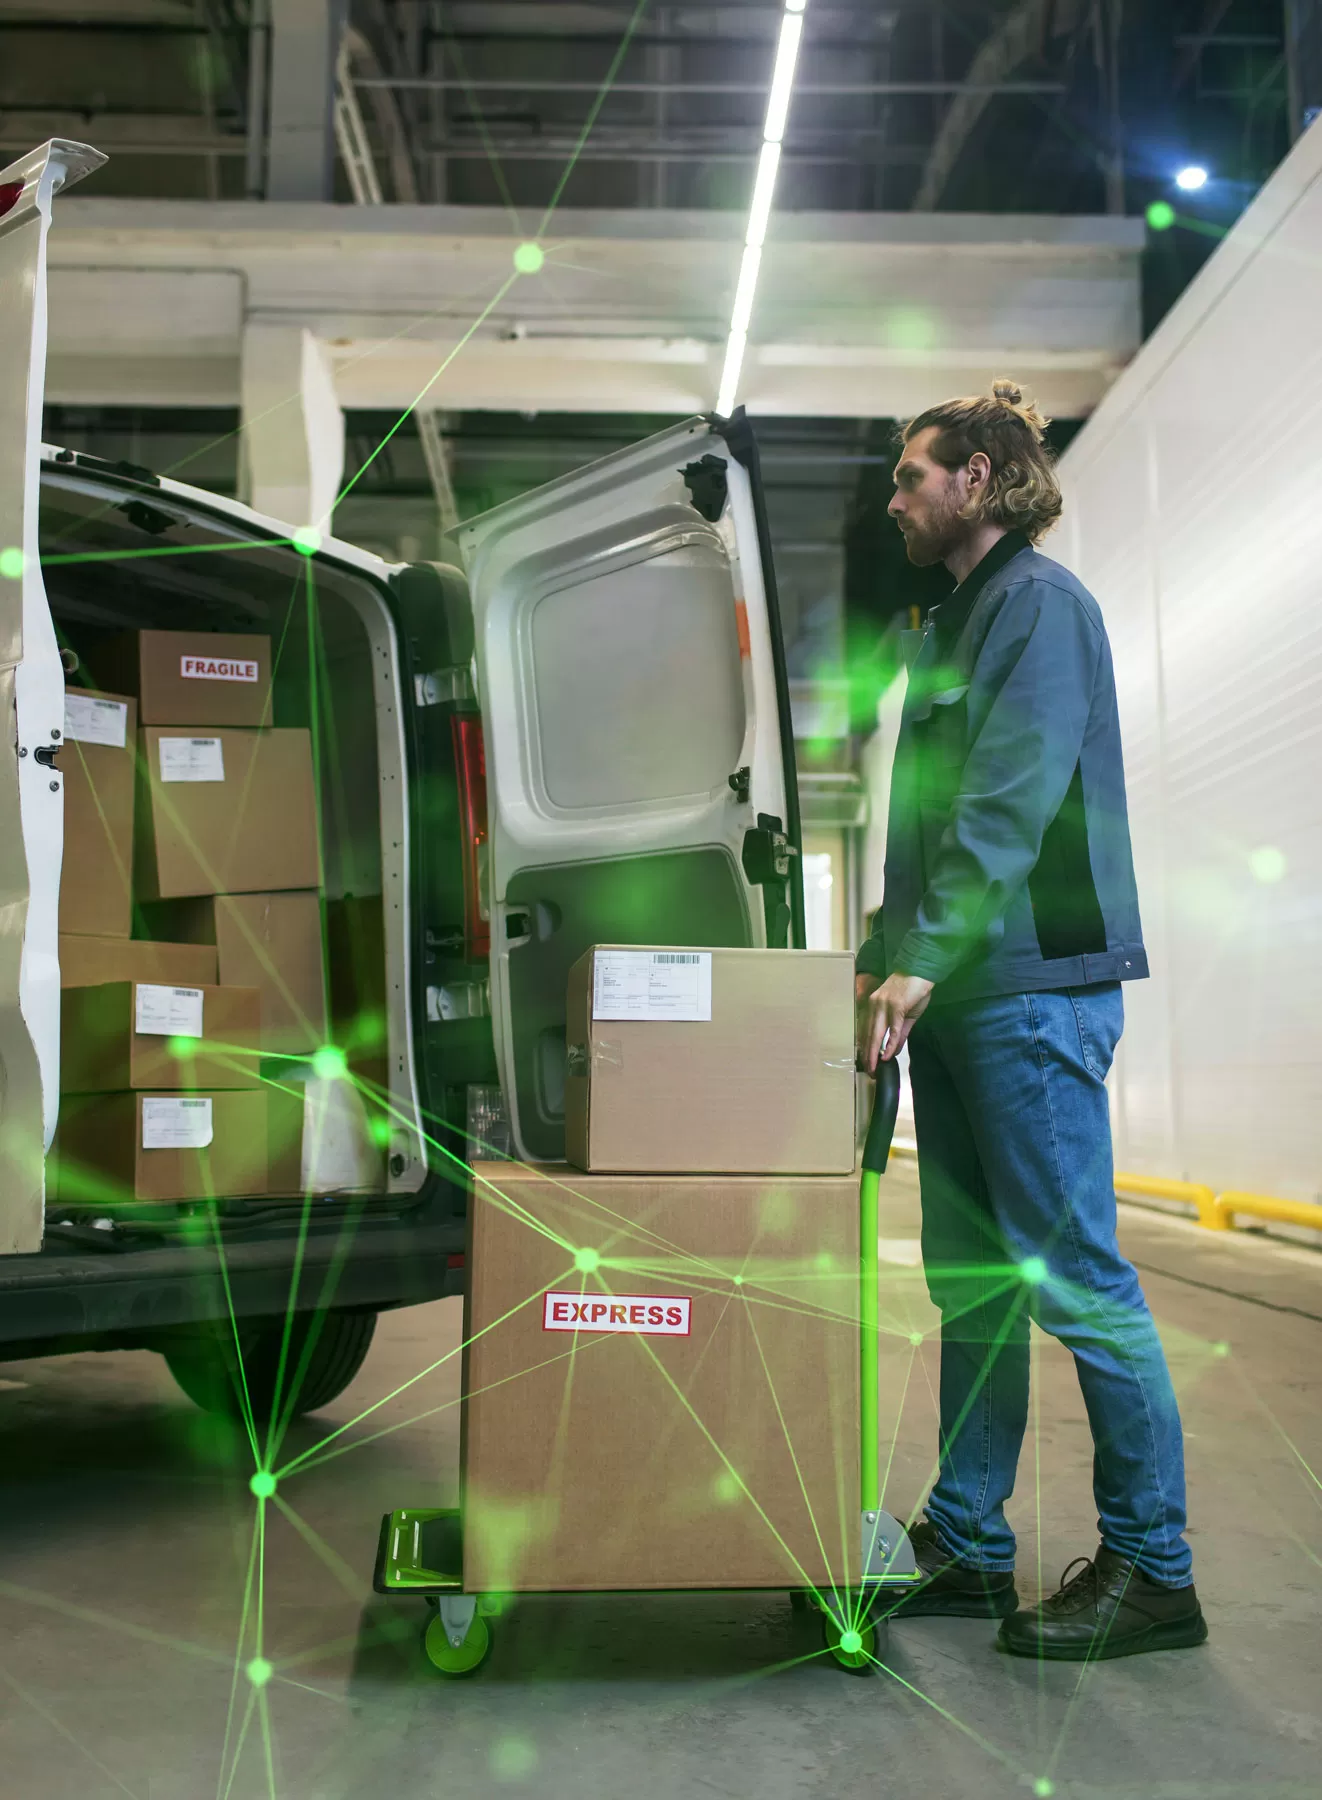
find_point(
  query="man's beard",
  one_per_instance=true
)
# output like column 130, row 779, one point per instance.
column 934, row 542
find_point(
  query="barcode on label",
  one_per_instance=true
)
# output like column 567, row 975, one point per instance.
column 652, row 984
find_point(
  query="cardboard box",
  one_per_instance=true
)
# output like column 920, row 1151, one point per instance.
column 707, row 1437
column 234, row 814
column 271, row 942
column 193, row 677
column 139, row 1034
column 90, row 961
column 710, row 1061
column 101, row 1159
column 100, row 741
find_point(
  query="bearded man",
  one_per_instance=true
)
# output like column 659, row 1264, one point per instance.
column 1009, row 922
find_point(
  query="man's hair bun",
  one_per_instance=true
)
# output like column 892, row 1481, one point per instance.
column 1009, row 430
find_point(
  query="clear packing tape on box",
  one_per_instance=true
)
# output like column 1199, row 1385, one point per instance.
column 608, row 1053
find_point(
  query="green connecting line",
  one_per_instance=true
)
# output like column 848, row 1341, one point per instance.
column 868, row 1349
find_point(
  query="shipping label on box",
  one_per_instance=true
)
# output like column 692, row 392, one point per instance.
column 170, row 1123
column 192, row 759
column 168, row 1011
column 89, row 720
column 647, row 1315
column 218, row 668
column 652, row 984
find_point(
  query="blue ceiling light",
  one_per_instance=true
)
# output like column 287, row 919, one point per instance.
column 1190, row 179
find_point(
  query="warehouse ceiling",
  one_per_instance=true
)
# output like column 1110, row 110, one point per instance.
column 975, row 105
column 1052, row 107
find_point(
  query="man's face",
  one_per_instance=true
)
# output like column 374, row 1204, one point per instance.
column 927, row 502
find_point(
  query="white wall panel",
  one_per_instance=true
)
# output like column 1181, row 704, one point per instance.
column 1194, row 513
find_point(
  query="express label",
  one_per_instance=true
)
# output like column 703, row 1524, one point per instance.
column 650, row 1315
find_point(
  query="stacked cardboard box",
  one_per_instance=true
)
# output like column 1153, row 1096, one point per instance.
column 181, row 778
column 160, row 1094
column 735, row 1062
column 674, row 1404
column 708, row 1266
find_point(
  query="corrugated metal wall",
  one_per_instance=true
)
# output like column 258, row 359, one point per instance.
column 1194, row 513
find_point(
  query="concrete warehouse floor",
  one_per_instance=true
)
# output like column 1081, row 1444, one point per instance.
column 126, row 1527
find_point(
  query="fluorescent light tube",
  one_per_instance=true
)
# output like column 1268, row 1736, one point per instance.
column 764, row 190
column 782, row 78
column 744, row 291
column 734, row 357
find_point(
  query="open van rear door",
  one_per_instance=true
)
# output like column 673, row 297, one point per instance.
column 639, row 754
column 31, row 704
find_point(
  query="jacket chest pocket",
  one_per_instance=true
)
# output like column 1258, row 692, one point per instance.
column 940, row 733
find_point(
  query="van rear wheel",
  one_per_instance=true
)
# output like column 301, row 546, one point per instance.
column 325, row 1352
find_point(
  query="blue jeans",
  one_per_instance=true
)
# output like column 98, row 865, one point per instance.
column 1019, row 1221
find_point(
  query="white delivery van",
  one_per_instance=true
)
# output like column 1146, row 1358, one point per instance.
column 582, row 737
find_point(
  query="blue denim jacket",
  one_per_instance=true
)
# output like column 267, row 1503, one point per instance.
column 1008, row 865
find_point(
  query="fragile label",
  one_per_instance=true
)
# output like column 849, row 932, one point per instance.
column 171, row 1124
column 89, row 721
column 650, row 1315
column 168, row 1011
column 218, row 668
column 192, row 759
column 652, row 984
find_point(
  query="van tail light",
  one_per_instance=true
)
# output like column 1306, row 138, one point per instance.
column 470, row 761
column 11, row 192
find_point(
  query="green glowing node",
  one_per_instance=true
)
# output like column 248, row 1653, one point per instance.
column 587, row 1262
column 259, row 1671
column 263, row 1484
column 528, row 258
column 1267, row 864
column 738, row 1281
column 1221, row 1349
column 915, row 1338
column 851, row 1642
column 11, row 563
column 1161, row 215
column 307, row 540
column 726, row 1487
column 1033, row 1269
column 1044, row 1788
column 329, row 1063
column 911, row 329
column 825, row 1262
column 181, row 1046
column 512, row 1758
column 380, row 1130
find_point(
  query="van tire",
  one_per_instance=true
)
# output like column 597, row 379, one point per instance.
column 206, row 1366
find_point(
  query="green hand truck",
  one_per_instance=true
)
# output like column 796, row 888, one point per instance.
column 420, row 1550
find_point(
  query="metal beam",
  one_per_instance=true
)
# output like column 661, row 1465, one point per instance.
column 351, row 135
column 860, row 315
column 438, row 456
column 1303, row 50
column 830, row 89
column 305, row 42
column 1013, row 40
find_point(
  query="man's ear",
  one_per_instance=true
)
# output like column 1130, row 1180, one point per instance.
column 979, row 467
